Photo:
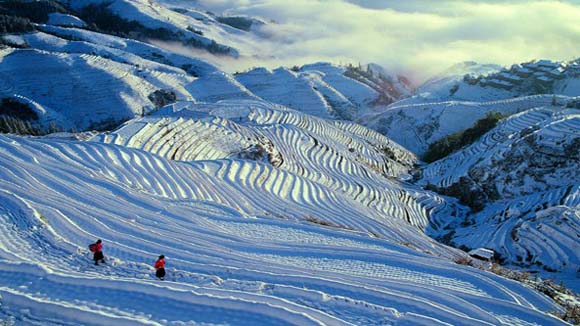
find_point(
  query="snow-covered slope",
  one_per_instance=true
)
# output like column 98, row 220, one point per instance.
column 399, row 86
column 323, row 89
column 79, row 66
column 76, row 40
column 239, row 245
column 525, row 175
column 319, row 150
column 80, row 91
column 271, row 208
column 439, row 85
column 417, row 125
column 136, row 70
column 158, row 21
column 474, row 82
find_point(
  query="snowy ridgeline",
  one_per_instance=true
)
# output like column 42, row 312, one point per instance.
column 280, row 237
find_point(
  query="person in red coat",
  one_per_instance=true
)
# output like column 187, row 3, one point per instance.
column 160, row 267
column 97, row 250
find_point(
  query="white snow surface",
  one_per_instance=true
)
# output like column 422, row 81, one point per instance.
column 80, row 91
column 154, row 15
column 244, row 239
column 321, row 89
column 271, row 209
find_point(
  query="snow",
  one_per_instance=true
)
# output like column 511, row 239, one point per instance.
column 59, row 82
column 319, row 89
column 186, row 23
column 439, row 85
column 223, row 268
column 104, row 42
column 59, row 19
column 417, row 125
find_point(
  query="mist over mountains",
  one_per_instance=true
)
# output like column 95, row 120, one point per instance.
column 414, row 37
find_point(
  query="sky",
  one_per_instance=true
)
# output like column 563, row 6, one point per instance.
column 417, row 37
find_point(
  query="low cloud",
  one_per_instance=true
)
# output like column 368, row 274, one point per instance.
column 419, row 38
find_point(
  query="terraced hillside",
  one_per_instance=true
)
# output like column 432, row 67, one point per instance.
column 316, row 149
column 59, row 82
column 135, row 70
column 271, row 205
column 416, row 125
column 523, row 177
column 153, row 20
column 475, row 82
column 244, row 246
column 323, row 89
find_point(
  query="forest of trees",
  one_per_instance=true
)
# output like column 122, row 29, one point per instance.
column 456, row 141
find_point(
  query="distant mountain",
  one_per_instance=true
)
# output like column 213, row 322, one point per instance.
column 326, row 90
column 441, row 84
column 490, row 82
column 453, row 102
column 418, row 125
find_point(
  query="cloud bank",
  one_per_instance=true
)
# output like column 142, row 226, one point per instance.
column 418, row 37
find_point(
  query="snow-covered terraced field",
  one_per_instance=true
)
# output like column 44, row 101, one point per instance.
column 79, row 91
column 239, row 251
column 530, row 161
column 270, row 209
column 116, row 48
column 274, row 86
column 319, row 89
column 348, row 159
column 179, row 26
column 415, row 124
column 546, row 131
column 540, row 230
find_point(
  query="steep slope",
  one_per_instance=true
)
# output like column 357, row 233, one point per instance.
column 231, row 261
column 287, row 88
column 398, row 86
column 135, row 70
column 459, row 97
column 153, row 20
column 522, row 177
column 76, row 40
column 139, row 69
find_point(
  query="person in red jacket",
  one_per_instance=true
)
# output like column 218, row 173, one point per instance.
column 160, row 267
column 97, row 250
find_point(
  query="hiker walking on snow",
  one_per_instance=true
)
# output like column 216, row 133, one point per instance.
column 97, row 250
column 160, row 267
